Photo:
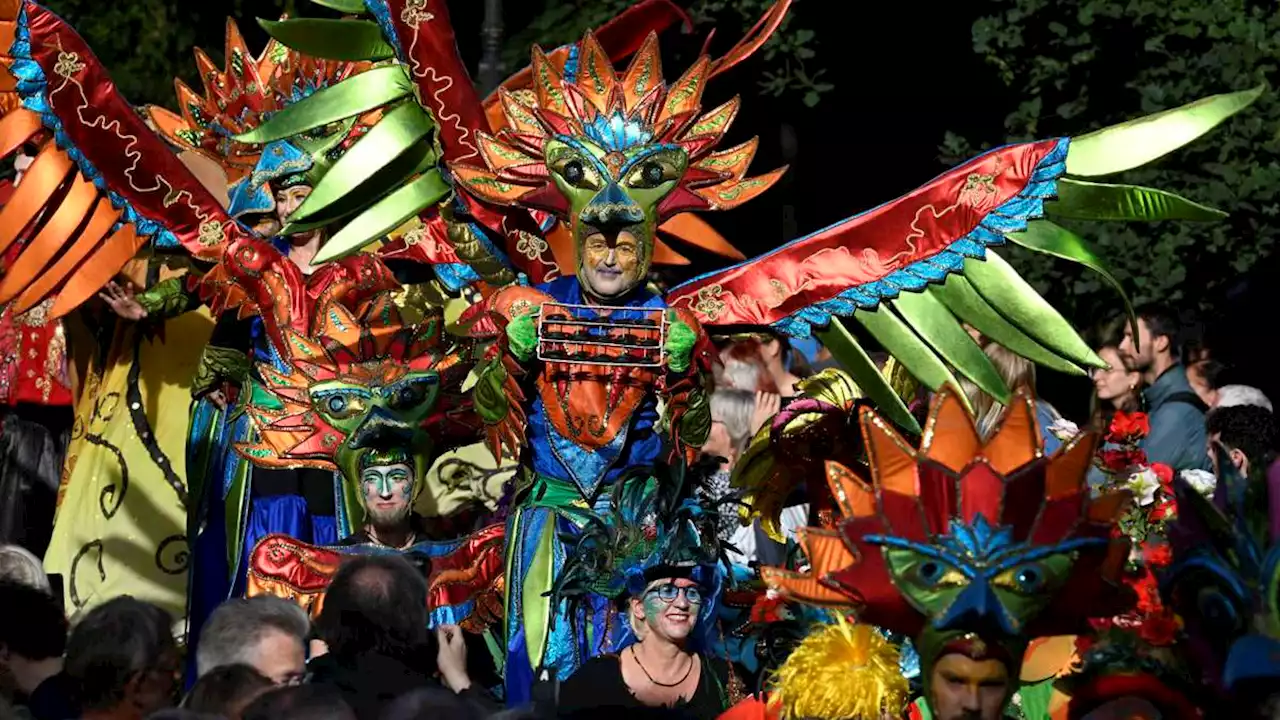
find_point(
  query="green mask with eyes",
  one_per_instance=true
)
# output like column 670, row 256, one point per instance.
column 613, row 198
column 381, row 425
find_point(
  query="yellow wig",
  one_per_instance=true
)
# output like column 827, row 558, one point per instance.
column 840, row 672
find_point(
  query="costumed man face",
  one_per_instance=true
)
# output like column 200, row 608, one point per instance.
column 387, row 489
column 967, row 689
column 668, row 608
column 385, row 452
column 614, row 189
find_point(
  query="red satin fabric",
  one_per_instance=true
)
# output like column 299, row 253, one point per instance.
column 298, row 571
column 133, row 160
column 254, row 271
column 864, row 248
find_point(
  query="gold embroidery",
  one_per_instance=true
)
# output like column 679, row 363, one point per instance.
column 709, row 303
column 415, row 13
column 68, row 64
column 55, row 358
column 531, row 246
column 211, row 233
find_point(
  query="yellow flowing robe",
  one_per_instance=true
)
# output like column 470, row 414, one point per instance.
column 122, row 518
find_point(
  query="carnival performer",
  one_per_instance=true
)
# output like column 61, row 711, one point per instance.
column 968, row 547
column 36, row 395
column 657, row 550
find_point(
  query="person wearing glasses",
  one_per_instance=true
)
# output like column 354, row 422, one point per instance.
column 660, row 669
column 663, row 563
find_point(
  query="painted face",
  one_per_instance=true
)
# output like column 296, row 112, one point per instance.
column 384, row 451
column 979, row 577
column 614, row 187
column 388, row 492
column 288, row 200
column 1116, row 381
column 966, row 689
column 669, row 607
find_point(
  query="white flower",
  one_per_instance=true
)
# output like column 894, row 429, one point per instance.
column 1064, row 429
column 1144, row 485
column 1203, row 481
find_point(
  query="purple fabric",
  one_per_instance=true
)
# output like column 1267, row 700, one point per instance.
column 1273, row 495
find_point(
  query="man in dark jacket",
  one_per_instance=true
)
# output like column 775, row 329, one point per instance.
column 1175, row 412
column 374, row 622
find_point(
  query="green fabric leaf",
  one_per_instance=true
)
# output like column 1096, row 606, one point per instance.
column 1101, row 201
column 1011, row 296
column 349, row 40
column 1138, row 142
column 960, row 297
column 399, row 131
column 346, row 7
column 394, row 175
column 353, row 96
column 388, row 214
column 931, row 319
column 1034, row 700
column 898, row 340
column 1050, row 239
column 522, row 336
column 489, row 396
column 846, row 350
column 679, row 347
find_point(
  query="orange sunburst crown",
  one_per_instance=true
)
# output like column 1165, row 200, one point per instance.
column 241, row 96
column 374, row 349
column 588, row 100
column 955, row 487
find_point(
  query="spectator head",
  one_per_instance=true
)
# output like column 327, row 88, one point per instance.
column 375, row 604
column 122, row 659
column 33, row 636
column 1117, row 385
column 300, row 702
column 226, row 690
column 1156, row 346
column 731, row 412
column 266, row 633
column 1018, row 374
column 1237, row 395
column 1247, row 432
column 17, row 564
column 1205, row 377
column 432, row 703
column 743, row 367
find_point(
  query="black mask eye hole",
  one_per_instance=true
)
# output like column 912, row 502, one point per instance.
column 930, row 572
column 652, row 172
column 573, row 172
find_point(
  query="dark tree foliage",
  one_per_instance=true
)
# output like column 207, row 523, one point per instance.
column 1072, row 67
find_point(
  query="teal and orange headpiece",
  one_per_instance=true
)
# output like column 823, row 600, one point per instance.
column 610, row 151
column 963, row 545
column 661, row 524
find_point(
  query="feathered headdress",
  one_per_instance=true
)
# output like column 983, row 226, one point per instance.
column 965, row 539
column 615, row 112
column 660, row 525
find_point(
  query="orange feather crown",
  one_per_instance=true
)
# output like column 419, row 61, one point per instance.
column 589, row 100
column 964, row 535
column 373, row 350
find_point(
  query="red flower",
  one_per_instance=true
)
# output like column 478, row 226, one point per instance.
column 1162, row 510
column 1157, row 556
column 1118, row 461
column 767, row 609
column 1165, row 473
column 1129, row 426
